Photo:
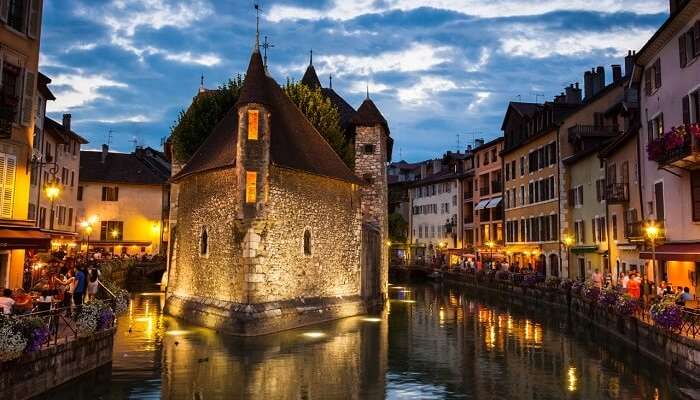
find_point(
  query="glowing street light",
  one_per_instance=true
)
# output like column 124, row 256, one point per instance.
column 568, row 241
column 490, row 244
column 52, row 191
column 653, row 232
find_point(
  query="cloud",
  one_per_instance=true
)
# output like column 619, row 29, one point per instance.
column 417, row 57
column 75, row 90
column 134, row 119
column 483, row 61
column 527, row 41
column 480, row 98
column 424, row 90
column 347, row 10
column 81, row 46
column 124, row 18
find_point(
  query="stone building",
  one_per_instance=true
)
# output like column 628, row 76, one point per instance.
column 488, row 200
column 274, row 231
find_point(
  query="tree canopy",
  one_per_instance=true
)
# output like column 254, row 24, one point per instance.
column 195, row 124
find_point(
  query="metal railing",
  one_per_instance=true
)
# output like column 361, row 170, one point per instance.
column 586, row 131
column 617, row 193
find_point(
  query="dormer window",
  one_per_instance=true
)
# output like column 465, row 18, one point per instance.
column 368, row 149
column 253, row 124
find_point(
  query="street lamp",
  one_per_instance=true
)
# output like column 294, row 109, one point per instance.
column 52, row 190
column 87, row 228
column 652, row 232
column 490, row 244
column 568, row 241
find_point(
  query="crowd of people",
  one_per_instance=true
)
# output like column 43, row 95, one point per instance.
column 62, row 283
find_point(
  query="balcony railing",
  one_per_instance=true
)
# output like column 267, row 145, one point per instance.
column 617, row 193
column 468, row 195
column 635, row 230
column 684, row 155
column 578, row 132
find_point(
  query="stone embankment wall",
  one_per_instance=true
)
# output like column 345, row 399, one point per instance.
column 678, row 353
column 46, row 369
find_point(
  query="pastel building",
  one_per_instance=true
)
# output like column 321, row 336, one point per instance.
column 488, row 200
column 667, row 69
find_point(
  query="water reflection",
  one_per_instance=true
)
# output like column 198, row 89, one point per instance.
column 430, row 342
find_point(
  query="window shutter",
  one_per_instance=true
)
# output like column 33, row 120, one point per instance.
column 686, row 109
column 647, row 81
column 695, row 194
column 4, row 10
column 34, row 19
column 682, row 51
column 116, row 193
column 28, row 97
column 8, row 167
column 657, row 73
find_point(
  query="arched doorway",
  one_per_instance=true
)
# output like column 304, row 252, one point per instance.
column 554, row 264
column 542, row 265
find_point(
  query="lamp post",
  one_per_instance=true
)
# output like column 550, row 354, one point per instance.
column 52, row 190
column 87, row 228
column 490, row 244
column 652, row 232
column 568, row 241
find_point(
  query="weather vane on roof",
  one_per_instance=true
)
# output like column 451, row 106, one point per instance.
column 257, row 25
column 266, row 45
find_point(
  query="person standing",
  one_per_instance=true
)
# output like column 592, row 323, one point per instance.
column 80, row 286
column 625, row 281
column 93, row 284
column 597, row 279
column 634, row 286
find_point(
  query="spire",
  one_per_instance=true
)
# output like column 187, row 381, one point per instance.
column 368, row 91
column 311, row 57
column 330, row 81
column 255, row 84
column 310, row 78
column 257, row 28
column 202, row 89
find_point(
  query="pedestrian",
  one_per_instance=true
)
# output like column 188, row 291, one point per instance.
column 93, row 284
column 80, row 286
column 634, row 286
column 684, row 296
column 597, row 279
column 625, row 281
column 6, row 302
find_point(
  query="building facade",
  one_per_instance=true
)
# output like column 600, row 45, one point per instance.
column 488, row 200
column 668, row 72
column 531, row 159
column 124, row 201
column 20, row 32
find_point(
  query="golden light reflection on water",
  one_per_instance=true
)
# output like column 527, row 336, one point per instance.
column 572, row 380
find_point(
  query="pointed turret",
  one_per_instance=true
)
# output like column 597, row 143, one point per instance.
column 310, row 78
column 254, row 85
column 369, row 115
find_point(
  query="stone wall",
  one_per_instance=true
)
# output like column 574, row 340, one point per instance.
column 43, row 370
column 208, row 200
column 375, row 203
column 330, row 210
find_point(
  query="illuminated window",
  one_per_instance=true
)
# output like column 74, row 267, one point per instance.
column 253, row 125
column 251, row 183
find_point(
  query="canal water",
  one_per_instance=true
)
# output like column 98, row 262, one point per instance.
column 431, row 342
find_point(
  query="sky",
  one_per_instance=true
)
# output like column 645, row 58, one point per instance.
column 441, row 71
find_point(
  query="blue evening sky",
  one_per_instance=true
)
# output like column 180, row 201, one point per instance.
column 435, row 68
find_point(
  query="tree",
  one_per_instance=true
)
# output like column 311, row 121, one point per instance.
column 194, row 125
column 398, row 228
column 324, row 116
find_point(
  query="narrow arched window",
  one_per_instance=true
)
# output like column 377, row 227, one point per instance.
column 307, row 242
column 204, row 243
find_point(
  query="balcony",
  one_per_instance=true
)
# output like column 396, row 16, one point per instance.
column 579, row 132
column 617, row 193
column 685, row 154
column 634, row 231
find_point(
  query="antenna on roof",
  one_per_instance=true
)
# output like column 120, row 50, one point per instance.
column 330, row 81
column 257, row 26
column 135, row 142
column 109, row 137
column 266, row 45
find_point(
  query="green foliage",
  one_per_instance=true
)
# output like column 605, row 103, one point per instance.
column 324, row 116
column 194, row 125
column 398, row 228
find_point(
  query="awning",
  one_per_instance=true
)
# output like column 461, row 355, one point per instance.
column 494, row 202
column 137, row 243
column 674, row 252
column 482, row 204
column 24, row 238
column 584, row 249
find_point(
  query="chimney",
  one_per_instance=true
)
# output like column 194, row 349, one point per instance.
column 617, row 72
column 588, row 84
column 629, row 62
column 66, row 121
column 600, row 72
column 573, row 94
column 105, row 150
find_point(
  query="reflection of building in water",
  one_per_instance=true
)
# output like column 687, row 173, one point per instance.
column 346, row 359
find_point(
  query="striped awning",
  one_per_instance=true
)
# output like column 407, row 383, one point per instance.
column 482, row 204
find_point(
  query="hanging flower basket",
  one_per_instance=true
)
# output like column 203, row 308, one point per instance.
column 694, row 129
column 656, row 150
column 675, row 139
column 626, row 305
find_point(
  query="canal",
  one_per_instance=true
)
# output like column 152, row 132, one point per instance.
column 431, row 342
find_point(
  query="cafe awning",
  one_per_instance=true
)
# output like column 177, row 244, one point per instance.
column 482, row 204
column 494, row 202
column 674, row 252
column 24, row 238
column 584, row 249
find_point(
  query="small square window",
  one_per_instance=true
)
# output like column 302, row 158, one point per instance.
column 368, row 178
column 368, row 149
